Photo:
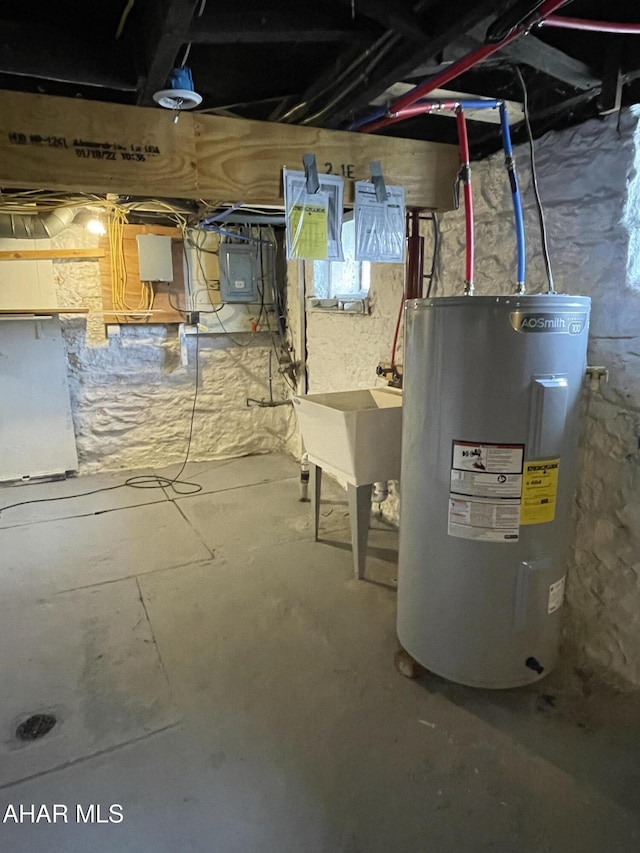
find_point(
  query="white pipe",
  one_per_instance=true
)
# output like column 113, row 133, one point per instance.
column 380, row 492
column 304, row 478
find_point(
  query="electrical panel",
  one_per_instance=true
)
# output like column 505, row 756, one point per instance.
column 239, row 275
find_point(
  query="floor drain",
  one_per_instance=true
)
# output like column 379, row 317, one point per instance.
column 35, row 727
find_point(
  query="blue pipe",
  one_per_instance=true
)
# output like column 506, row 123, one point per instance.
column 224, row 213
column 472, row 105
column 465, row 105
column 206, row 225
column 373, row 116
column 517, row 198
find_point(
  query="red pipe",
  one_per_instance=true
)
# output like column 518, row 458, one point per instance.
column 465, row 176
column 457, row 68
column 590, row 26
column 409, row 112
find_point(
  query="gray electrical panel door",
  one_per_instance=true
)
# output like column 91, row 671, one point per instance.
column 238, row 274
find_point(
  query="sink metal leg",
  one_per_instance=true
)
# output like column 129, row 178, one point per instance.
column 360, row 514
column 316, row 489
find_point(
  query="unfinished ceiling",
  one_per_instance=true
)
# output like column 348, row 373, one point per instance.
column 323, row 64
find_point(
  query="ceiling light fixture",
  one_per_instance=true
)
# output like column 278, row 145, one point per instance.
column 180, row 95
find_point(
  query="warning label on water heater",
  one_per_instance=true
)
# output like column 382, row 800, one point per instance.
column 485, row 491
column 556, row 596
column 539, row 491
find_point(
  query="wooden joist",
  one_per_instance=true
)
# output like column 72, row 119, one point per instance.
column 53, row 255
column 86, row 146
column 36, row 312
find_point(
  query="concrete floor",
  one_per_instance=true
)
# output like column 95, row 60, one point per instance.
column 228, row 682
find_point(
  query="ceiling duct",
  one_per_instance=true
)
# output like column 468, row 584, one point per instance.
column 36, row 226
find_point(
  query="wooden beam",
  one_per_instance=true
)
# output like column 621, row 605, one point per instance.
column 46, row 54
column 53, row 255
column 48, row 143
column 167, row 24
column 244, row 160
column 397, row 16
column 533, row 52
column 77, row 145
column 248, row 26
column 610, row 97
column 527, row 50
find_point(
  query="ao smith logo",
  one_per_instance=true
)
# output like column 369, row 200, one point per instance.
column 555, row 322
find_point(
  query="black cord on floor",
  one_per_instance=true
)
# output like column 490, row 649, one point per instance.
column 62, row 497
column 155, row 481
column 143, row 481
column 534, row 180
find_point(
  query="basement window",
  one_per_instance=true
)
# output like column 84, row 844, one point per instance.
column 342, row 285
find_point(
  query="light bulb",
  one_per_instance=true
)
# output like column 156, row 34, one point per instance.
column 95, row 226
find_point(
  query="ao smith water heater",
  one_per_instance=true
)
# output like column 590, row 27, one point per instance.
column 490, row 431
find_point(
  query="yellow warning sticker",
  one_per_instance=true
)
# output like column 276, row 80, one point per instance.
column 539, row 491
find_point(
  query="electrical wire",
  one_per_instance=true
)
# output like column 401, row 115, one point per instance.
column 123, row 17
column 156, row 481
column 198, row 249
column 118, row 272
column 536, row 190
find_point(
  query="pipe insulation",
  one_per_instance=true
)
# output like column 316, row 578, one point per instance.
column 36, row 226
column 563, row 23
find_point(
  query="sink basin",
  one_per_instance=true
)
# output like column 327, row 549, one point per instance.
column 355, row 435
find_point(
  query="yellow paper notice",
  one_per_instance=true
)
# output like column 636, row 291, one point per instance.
column 309, row 231
column 539, row 491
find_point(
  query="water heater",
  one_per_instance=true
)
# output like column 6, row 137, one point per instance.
column 490, row 433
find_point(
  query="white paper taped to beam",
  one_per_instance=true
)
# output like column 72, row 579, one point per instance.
column 314, row 220
column 380, row 225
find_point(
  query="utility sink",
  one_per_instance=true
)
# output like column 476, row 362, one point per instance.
column 355, row 435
